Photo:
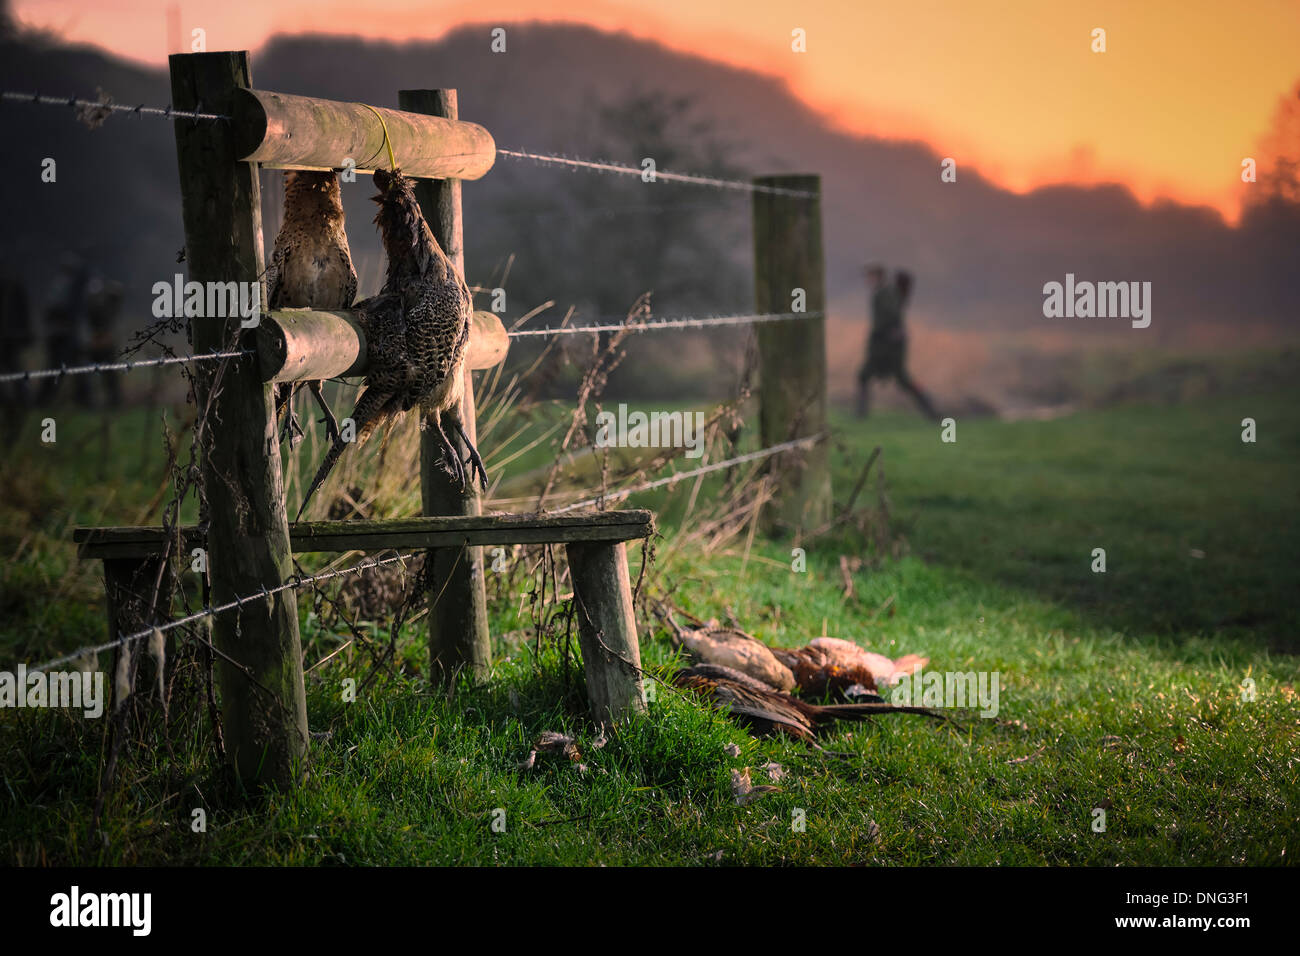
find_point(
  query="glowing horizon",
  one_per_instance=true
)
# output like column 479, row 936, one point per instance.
column 1012, row 91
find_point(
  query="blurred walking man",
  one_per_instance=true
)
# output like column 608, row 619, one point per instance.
column 887, row 345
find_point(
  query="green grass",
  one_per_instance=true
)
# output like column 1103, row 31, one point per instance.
column 1121, row 690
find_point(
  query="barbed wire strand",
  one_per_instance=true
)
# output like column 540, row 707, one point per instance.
column 518, row 154
column 77, row 102
column 606, row 167
column 683, row 475
column 294, row 583
column 118, row 366
column 297, row 582
column 682, row 323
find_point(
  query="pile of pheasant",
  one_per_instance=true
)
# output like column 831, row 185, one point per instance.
column 757, row 684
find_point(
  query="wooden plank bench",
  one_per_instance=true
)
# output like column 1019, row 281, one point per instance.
column 594, row 543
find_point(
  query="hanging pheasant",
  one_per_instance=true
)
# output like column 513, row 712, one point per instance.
column 417, row 329
column 311, row 268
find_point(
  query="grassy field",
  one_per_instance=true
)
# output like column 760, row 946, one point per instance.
column 1121, row 691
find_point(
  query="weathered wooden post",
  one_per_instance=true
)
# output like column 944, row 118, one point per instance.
column 264, row 709
column 611, row 654
column 458, row 629
column 792, row 355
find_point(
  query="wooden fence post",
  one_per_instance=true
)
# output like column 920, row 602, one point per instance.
column 611, row 654
column 458, row 628
column 264, row 708
column 792, row 355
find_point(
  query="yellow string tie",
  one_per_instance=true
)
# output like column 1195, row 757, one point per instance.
column 392, row 160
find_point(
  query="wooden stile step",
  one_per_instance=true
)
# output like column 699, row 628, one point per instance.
column 395, row 533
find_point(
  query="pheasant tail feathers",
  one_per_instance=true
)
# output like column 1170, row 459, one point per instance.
column 372, row 410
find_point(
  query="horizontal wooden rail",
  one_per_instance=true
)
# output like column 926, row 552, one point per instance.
column 303, row 132
column 399, row 533
column 303, row 345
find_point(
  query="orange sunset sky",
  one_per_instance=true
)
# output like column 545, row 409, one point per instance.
column 1185, row 90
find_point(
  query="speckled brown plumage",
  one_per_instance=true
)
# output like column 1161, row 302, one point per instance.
column 311, row 268
column 417, row 329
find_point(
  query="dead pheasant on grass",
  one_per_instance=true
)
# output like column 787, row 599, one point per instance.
column 826, row 666
column 765, row 711
column 741, row 675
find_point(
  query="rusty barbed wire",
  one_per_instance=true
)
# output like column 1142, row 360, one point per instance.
column 619, row 494
column 105, row 104
column 694, row 180
column 76, row 102
column 688, row 322
column 294, row 583
column 118, row 366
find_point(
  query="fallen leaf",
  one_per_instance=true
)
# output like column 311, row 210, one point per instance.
column 1027, row 757
column 121, row 678
column 740, row 784
column 743, row 789
column 552, row 742
column 158, row 651
column 94, row 114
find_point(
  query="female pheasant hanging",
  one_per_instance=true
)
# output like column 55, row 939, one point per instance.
column 311, row 268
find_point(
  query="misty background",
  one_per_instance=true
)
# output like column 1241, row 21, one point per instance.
column 594, row 243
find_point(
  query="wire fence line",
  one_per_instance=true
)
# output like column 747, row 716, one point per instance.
column 294, row 582
column 688, row 322
column 94, row 105
column 105, row 105
column 297, row 581
column 118, row 366
column 620, row 168
column 682, row 323
column 694, row 472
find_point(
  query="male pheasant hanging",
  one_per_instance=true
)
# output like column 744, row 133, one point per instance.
column 417, row 329
column 311, row 268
